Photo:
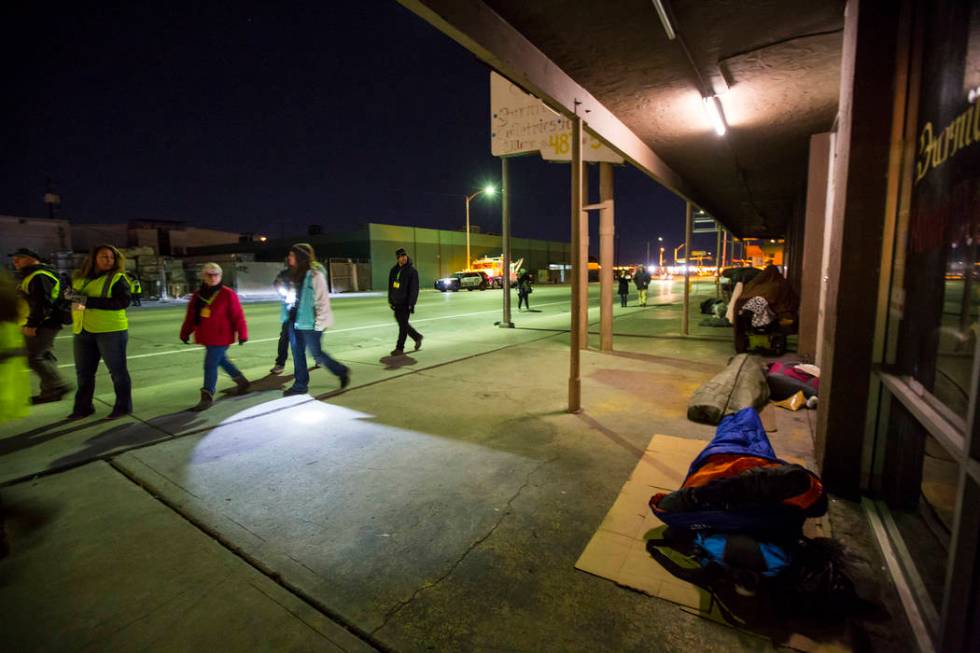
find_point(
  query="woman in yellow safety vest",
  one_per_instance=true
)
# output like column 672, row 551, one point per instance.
column 14, row 391
column 100, row 294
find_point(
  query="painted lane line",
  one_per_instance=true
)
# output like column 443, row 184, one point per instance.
column 276, row 338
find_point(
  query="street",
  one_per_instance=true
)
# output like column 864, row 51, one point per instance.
column 364, row 332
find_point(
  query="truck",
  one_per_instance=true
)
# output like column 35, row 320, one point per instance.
column 493, row 267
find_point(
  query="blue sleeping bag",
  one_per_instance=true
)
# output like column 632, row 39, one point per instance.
column 740, row 433
column 771, row 500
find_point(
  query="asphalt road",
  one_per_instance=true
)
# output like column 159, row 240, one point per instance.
column 157, row 356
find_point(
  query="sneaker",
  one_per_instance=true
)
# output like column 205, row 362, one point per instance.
column 277, row 369
column 418, row 342
column 80, row 414
column 116, row 414
column 46, row 398
column 292, row 392
column 397, row 352
column 345, row 380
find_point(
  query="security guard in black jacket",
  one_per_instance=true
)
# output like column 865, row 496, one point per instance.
column 40, row 290
column 403, row 292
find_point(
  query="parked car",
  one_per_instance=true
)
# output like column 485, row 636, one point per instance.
column 463, row 281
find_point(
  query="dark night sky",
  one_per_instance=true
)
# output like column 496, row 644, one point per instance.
column 268, row 117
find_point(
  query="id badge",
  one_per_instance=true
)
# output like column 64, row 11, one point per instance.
column 395, row 284
column 205, row 312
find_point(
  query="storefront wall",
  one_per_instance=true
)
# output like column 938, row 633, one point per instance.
column 923, row 462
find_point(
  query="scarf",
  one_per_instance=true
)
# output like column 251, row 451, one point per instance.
column 204, row 295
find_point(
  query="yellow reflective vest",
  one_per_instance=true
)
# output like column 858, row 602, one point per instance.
column 25, row 290
column 98, row 320
column 14, row 391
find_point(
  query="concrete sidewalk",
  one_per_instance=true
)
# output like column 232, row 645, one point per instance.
column 439, row 509
column 99, row 564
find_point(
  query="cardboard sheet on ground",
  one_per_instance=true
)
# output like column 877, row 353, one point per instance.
column 618, row 552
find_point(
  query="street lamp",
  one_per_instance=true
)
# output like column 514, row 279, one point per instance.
column 488, row 190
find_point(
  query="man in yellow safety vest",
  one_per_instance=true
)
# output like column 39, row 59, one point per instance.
column 40, row 292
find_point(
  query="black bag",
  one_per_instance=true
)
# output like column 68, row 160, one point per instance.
column 62, row 305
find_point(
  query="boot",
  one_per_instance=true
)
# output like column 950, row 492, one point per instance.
column 206, row 400
column 242, row 383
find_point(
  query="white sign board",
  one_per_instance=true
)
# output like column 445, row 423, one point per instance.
column 522, row 124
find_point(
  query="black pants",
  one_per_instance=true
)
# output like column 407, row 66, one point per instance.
column 404, row 328
column 622, row 300
column 282, row 355
column 42, row 360
column 523, row 298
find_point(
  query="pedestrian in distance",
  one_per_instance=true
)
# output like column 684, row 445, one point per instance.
column 524, row 289
column 308, row 316
column 642, row 281
column 403, row 293
column 136, row 289
column 100, row 295
column 284, row 288
column 215, row 317
column 624, row 289
column 42, row 297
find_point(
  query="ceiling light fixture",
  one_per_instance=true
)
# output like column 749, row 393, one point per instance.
column 662, row 12
column 712, row 106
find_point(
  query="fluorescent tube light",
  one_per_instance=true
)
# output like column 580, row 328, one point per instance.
column 662, row 12
column 712, row 106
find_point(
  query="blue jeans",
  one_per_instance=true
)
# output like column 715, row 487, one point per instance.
column 302, row 341
column 216, row 357
column 111, row 348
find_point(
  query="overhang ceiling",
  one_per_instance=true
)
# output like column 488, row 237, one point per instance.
column 776, row 64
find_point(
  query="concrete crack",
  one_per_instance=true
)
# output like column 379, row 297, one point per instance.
column 398, row 607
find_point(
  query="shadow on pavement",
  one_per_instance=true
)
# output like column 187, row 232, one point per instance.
column 36, row 436
column 397, row 362
column 123, row 436
column 267, row 382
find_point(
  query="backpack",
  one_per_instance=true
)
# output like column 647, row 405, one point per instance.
column 62, row 307
column 741, row 573
column 770, row 582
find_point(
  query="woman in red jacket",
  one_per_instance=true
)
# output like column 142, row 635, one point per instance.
column 214, row 316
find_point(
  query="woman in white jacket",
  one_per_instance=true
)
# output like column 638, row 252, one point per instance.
column 307, row 314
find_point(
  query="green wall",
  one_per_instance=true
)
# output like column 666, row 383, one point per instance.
column 438, row 253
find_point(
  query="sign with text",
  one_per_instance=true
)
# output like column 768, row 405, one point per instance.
column 522, row 124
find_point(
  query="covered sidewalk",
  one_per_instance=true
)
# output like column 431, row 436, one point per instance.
column 850, row 130
column 379, row 518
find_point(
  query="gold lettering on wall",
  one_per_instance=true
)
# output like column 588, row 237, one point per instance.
column 962, row 132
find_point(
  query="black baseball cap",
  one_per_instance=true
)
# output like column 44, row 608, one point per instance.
column 23, row 251
column 401, row 252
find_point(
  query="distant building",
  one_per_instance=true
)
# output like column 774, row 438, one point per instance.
column 164, row 237
column 46, row 236
column 367, row 254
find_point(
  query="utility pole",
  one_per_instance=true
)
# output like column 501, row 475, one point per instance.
column 505, row 236
column 574, row 354
column 688, row 220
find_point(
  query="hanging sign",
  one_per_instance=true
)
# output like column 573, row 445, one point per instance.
column 522, row 124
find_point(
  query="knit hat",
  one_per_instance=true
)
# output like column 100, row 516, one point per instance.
column 23, row 251
column 304, row 251
column 401, row 252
